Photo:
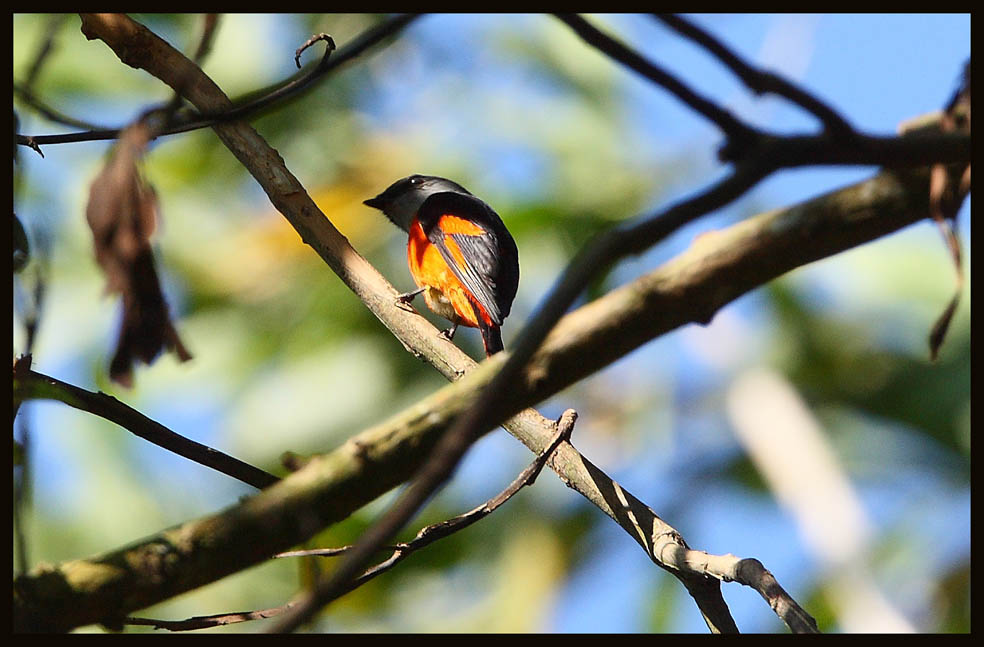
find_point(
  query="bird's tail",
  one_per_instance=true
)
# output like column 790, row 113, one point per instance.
column 492, row 338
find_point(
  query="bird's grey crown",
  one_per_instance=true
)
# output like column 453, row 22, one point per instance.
column 401, row 200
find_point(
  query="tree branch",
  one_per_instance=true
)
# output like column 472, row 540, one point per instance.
column 688, row 288
column 138, row 47
column 731, row 126
column 758, row 81
column 291, row 88
column 24, row 92
column 760, row 155
column 473, row 423
column 207, row 622
column 29, row 385
column 425, row 537
column 316, row 599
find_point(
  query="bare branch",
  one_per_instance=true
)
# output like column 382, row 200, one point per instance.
column 947, row 189
column 207, row 622
column 316, row 599
column 96, row 132
column 22, row 477
column 44, row 49
column 210, row 24
column 328, row 488
column 760, row 156
column 425, row 537
column 329, row 47
column 25, row 94
column 29, row 385
column 728, row 123
column 474, row 422
column 759, row 81
column 279, row 93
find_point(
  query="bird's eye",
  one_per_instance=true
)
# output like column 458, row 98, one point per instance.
column 416, row 179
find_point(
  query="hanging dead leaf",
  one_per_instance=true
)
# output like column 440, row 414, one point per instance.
column 122, row 213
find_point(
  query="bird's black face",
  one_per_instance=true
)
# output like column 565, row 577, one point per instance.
column 394, row 192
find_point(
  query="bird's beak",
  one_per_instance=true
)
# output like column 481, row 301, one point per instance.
column 375, row 203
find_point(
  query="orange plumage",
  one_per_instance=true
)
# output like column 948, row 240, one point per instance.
column 429, row 269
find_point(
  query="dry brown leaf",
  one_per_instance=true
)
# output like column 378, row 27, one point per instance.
column 122, row 213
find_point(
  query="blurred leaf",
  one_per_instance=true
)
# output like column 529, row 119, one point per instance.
column 122, row 213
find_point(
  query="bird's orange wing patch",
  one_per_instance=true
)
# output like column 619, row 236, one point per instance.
column 451, row 224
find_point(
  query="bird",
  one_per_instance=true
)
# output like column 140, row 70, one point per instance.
column 461, row 256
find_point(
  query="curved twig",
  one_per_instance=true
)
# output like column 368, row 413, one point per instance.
column 290, row 88
column 29, row 385
column 25, row 94
column 759, row 81
column 730, row 125
column 427, row 535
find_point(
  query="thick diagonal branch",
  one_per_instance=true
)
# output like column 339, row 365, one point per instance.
column 689, row 288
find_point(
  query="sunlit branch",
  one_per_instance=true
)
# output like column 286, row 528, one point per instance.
column 304, row 610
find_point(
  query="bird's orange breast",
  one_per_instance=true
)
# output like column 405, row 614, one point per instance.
column 446, row 294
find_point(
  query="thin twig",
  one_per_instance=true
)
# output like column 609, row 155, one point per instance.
column 210, row 24
column 25, row 89
column 280, row 92
column 329, row 48
column 946, row 194
column 30, row 385
column 735, row 129
column 166, row 116
column 44, row 49
column 24, row 93
column 207, row 622
column 22, row 477
column 759, row 81
column 433, row 532
column 427, row 535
